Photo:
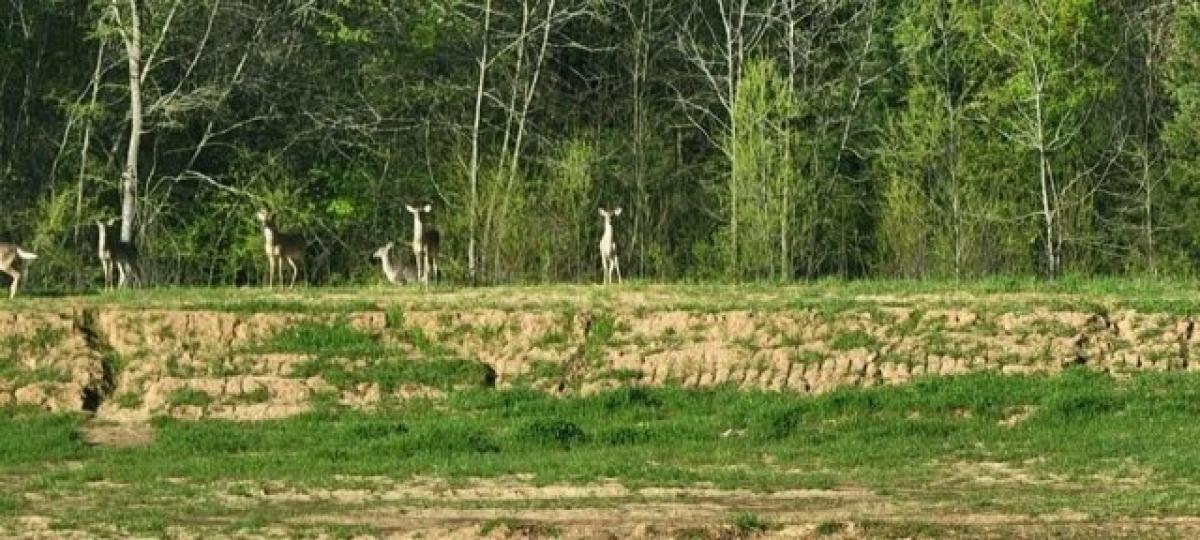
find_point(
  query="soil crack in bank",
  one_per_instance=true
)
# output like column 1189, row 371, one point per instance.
column 96, row 391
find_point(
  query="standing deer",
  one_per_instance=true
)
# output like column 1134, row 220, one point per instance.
column 425, row 244
column 280, row 246
column 121, row 255
column 396, row 271
column 608, row 247
column 13, row 261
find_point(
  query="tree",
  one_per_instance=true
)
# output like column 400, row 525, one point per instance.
column 1046, row 108
column 930, row 212
column 1181, row 137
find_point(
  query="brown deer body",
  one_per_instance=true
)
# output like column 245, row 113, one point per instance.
column 280, row 247
column 115, row 254
column 426, row 244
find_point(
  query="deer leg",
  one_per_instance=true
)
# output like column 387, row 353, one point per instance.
column 270, row 271
column 295, row 272
column 12, row 290
column 121, row 274
column 131, row 278
column 107, row 273
column 616, row 262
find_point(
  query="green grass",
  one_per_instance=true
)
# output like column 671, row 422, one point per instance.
column 129, row 400
column 861, row 434
column 827, row 528
column 853, row 339
column 892, row 440
column 333, row 339
column 258, row 395
column 750, row 523
column 189, row 396
column 827, row 297
column 392, row 371
column 18, row 375
column 519, row 527
column 622, row 375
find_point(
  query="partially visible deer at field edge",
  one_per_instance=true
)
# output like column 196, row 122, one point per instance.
column 397, row 271
column 14, row 261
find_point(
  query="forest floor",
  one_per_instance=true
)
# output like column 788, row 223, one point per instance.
column 830, row 410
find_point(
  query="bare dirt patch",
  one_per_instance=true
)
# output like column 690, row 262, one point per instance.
column 118, row 435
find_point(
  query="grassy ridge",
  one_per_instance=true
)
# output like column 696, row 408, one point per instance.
column 1148, row 295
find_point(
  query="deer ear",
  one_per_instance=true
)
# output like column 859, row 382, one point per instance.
column 427, row 208
column 617, row 211
column 603, row 212
column 410, row 209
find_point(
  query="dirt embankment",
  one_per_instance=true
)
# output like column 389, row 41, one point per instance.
column 128, row 365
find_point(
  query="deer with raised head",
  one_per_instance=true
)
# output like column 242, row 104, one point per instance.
column 397, row 272
column 116, row 254
column 13, row 261
column 280, row 246
column 426, row 243
column 608, row 247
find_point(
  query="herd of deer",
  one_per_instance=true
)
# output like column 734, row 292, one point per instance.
column 121, row 257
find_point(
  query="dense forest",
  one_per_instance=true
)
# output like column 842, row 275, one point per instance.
column 745, row 139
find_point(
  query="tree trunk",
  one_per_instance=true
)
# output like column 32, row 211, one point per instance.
column 129, row 179
column 474, row 165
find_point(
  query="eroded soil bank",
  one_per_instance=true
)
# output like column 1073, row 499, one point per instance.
column 130, row 363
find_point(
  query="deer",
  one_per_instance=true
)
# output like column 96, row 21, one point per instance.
column 609, row 261
column 425, row 244
column 396, row 271
column 280, row 246
column 119, row 254
column 13, row 261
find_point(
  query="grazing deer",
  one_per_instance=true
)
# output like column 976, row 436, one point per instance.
column 121, row 255
column 280, row 246
column 13, row 261
column 396, row 271
column 608, row 247
column 425, row 244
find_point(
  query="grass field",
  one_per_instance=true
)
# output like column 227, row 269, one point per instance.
column 1077, row 454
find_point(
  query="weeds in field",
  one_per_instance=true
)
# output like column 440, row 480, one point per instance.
column 189, row 396
column 750, row 523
